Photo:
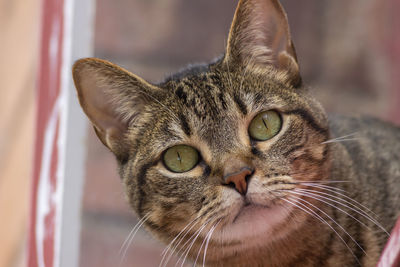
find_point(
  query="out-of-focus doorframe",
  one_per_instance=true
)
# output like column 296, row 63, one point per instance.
column 60, row 147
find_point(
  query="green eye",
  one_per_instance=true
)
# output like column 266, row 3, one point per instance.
column 181, row 158
column 265, row 125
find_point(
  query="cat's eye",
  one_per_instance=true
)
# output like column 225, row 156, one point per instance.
column 181, row 158
column 265, row 125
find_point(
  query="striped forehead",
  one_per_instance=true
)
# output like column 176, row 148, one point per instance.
column 206, row 109
column 211, row 106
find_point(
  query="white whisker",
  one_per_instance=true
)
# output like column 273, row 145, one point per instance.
column 179, row 242
column 208, row 240
column 355, row 209
column 130, row 237
column 347, row 136
column 204, row 241
column 333, row 190
column 170, row 245
column 314, row 214
column 322, row 182
column 187, row 250
column 325, row 187
column 131, row 232
column 340, row 140
column 202, row 244
column 190, row 239
column 341, row 227
column 313, row 196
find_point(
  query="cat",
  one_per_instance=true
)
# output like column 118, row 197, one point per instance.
column 235, row 163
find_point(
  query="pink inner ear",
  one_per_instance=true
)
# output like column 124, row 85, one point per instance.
column 110, row 96
column 98, row 103
column 278, row 36
column 269, row 22
column 260, row 36
column 260, row 32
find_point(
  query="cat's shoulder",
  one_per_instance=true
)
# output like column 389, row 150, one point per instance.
column 366, row 137
column 341, row 125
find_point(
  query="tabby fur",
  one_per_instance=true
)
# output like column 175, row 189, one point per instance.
column 209, row 107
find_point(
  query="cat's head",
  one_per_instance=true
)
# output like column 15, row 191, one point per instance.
column 217, row 147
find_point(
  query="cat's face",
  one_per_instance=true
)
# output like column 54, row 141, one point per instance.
column 213, row 151
column 204, row 113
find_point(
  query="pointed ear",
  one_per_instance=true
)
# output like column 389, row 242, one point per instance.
column 260, row 37
column 112, row 98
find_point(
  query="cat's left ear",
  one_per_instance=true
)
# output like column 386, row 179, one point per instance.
column 113, row 99
column 260, row 37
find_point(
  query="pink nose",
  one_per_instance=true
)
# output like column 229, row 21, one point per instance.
column 239, row 179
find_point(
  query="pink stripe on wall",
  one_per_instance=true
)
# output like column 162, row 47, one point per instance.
column 41, row 246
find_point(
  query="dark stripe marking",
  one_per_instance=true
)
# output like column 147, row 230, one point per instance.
column 293, row 149
column 154, row 226
column 185, row 125
column 207, row 171
column 181, row 94
column 242, row 107
column 257, row 152
column 306, row 116
column 222, row 100
column 141, row 181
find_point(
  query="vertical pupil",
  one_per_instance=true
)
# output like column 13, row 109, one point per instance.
column 265, row 123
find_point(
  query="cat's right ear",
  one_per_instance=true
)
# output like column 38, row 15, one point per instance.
column 260, row 38
column 112, row 98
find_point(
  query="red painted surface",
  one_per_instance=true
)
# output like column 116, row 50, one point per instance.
column 48, row 90
column 391, row 254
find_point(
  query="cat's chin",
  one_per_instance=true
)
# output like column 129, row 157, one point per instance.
column 254, row 222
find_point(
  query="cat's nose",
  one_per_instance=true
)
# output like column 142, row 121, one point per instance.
column 237, row 173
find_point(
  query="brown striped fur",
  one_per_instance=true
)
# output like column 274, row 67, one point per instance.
column 210, row 107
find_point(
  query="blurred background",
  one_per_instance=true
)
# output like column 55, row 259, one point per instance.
column 349, row 53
